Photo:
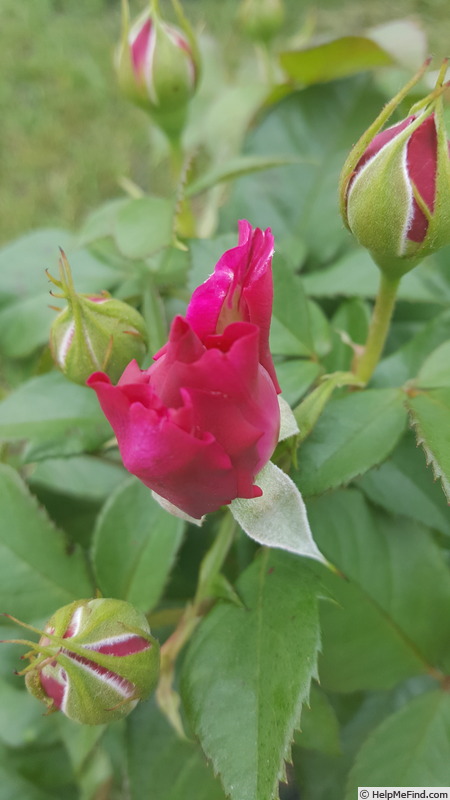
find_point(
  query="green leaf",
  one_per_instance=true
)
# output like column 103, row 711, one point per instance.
column 295, row 377
column 356, row 274
column 169, row 267
column 406, row 362
column 22, row 262
column 55, row 416
column 430, row 415
column 310, row 409
column 41, row 767
column 435, row 371
column 277, row 518
column 394, row 582
column 241, row 165
column 317, row 125
column 257, row 662
column 163, row 766
column 290, row 333
column 144, row 226
column 21, row 718
column 319, row 725
column 352, row 275
column 14, row 786
column 334, row 59
column 79, row 740
column 320, row 329
column 38, row 571
column 354, row 433
column 135, row 543
column 101, row 222
column 84, row 476
column 25, row 325
column 24, row 288
column 349, row 324
column 362, row 648
column 403, row 485
column 410, row 748
column 222, row 117
column 323, row 776
column 320, row 776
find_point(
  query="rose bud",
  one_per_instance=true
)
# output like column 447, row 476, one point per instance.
column 200, row 424
column 158, row 67
column 396, row 192
column 94, row 661
column 239, row 289
column 94, row 332
column 261, row 19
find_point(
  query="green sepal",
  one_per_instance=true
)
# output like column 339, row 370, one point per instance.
column 378, row 224
column 364, row 141
column 91, row 698
column 173, row 85
column 94, row 332
column 131, row 86
column 188, row 30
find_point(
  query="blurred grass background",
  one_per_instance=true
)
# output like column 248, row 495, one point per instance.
column 66, row 135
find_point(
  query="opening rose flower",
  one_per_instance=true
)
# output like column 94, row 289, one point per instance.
column 203, row 420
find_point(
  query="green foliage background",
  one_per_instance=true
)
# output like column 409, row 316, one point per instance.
column 59, row 103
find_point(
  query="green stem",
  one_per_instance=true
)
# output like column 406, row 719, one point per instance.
column 378, row 330
column 309, row 410
column 210, row 568
column 185, row 223
column 176, row 156
column 212, row 563
column 268, row 65
column 214, row 559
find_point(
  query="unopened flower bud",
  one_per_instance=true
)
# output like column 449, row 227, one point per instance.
column 94, row 661
column 261, row 19
column 158, row 67
column 395, row 186
column 94, row 332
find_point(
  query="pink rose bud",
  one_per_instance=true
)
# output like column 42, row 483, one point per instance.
column 200, row 424
column 158, row 67
column 396, row 193
column 239, row 289
column 94, row 661
column 94, row 332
